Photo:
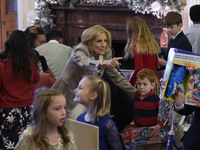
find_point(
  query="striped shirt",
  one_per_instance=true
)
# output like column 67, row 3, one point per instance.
column 146, row 110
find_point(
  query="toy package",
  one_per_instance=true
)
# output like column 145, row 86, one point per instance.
column 127, row 73
column 133, row 136
column 182, row 73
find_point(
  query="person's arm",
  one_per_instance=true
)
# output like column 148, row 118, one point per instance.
column 85, row 61
column 113, row 62
column 52, row 78
column 179, row 99
column 179, row 105
column 120, row 81
column 35, row 73
column 44, row 64
column 112, row 136
column 93, row 65
column 156, row 131
column 162, row 62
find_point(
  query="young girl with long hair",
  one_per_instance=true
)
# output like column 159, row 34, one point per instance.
column 94, row 94
column 48, row 130
column 143, row 47
column 18, row 73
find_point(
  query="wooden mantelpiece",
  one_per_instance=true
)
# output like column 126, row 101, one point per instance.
column 72, row 21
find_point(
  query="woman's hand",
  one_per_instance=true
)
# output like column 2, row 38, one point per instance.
column 112, row 62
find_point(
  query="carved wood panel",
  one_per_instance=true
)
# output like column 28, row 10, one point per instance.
column 72, row 21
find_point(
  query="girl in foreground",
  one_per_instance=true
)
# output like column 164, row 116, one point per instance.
column 48, row 130
column 94, row 94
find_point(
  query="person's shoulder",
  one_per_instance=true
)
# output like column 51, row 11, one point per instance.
column 194, row 29
column 182, row 36
column 41, row 47
column 81, row 48
column 29, row 131
column 81, row 117
column 65, row 47
column 26, row 140
column 154, row 97
column 182, row 39
column 105, row 118
column 27, row 134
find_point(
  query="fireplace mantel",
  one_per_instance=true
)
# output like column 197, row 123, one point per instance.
column 72, row 21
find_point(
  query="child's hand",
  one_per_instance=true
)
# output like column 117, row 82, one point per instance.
column 179, row 98
column 156, row 131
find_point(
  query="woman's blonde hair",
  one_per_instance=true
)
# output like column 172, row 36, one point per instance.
column 89, row 35
column 103, row 100
column 139, row 35
column 43, row 98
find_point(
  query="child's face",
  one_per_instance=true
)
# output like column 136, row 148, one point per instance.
column 174, row 29
column 56, row 112
column 83, row 94
column 144, row 86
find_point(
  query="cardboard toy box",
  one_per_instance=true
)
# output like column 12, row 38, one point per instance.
column 133, row 136
column 191, row 81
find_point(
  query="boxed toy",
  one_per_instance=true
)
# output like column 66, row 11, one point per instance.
column 127, row 73
column 133, row 136
column 182, row 72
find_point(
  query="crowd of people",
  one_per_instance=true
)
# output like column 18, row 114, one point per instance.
column 43, row 82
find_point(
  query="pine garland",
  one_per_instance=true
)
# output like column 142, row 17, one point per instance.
column 45, row 18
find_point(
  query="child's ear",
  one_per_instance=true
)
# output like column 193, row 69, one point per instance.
column 93, row 96
column 153, row 85
column 181, row 25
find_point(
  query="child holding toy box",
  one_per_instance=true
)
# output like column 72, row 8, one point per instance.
column 146, row 106
column 173, row 22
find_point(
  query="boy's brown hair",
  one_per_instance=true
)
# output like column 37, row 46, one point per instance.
column 146, row 73
column 173, row 18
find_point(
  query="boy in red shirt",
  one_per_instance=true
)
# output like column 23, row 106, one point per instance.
column 146, row 106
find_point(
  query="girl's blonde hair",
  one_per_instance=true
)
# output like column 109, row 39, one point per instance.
column 89, row 35
column 43, row 98
column 139, row 35
column 103, row 100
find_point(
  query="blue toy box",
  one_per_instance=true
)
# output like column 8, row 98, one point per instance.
column 191, row 81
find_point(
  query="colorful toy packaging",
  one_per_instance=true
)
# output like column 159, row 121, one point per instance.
column 182, row 73
column 133, row 136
